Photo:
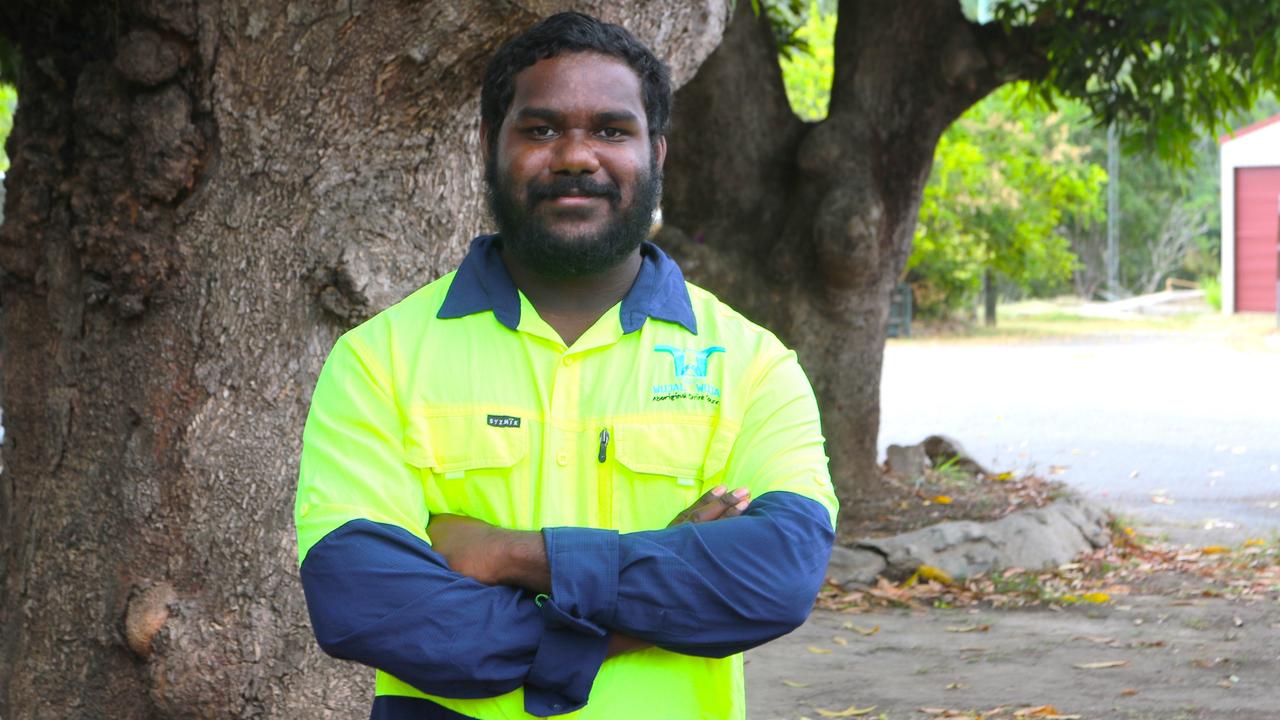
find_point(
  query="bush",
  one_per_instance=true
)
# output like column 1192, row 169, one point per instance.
column 1212, row 291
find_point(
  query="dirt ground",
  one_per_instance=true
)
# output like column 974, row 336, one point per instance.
column 1184, row 659
column 1180, row 631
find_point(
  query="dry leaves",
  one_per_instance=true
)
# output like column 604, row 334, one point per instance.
column 968, row 628
column 851, row 711
column 1249, row 571
column 1103, row 665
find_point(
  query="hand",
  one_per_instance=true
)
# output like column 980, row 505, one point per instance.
column 620, row 644
column 717, row 504
column 491, row 554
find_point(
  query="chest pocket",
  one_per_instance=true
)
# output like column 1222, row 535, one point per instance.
column 471, row 468
column 659, row 469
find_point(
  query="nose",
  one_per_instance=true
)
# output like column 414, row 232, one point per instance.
column 574, row 155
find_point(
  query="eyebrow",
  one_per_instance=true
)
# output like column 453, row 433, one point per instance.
column 607, row 117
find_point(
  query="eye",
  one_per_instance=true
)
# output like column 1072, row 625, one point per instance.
column 612, row 133
column 541, row 132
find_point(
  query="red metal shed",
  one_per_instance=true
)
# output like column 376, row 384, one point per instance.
column 1250, row 217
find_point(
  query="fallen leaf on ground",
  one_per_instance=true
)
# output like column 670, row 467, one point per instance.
column 795, row 684
column 861, row 630
column 1255, row 542
column 968, row 628
column 839, row 640
column 851, row 711
column 1096, row 597
column 929, row 572
column 1215, row 549
column 956, row 686
column 942, row 499
column 818, row 650
column 1102, row 665
column 1099, row 639
column 1128, row 692
column 1048, row 712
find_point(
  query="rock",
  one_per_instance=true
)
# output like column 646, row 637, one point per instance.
column 1029, row 539
column 942, row 450
column 906, row 461
column 854, row 566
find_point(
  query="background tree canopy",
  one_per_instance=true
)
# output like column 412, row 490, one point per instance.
column 1018, row 184
column 8, row 103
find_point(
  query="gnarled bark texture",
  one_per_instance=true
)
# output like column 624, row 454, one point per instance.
column 805, row 227
column 204, row 194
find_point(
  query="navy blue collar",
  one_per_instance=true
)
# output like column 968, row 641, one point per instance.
column 483, row 283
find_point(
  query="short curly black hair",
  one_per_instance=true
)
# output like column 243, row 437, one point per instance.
column 574, row 32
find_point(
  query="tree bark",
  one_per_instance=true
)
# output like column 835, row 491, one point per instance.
column 203, row 195
column 805, row 228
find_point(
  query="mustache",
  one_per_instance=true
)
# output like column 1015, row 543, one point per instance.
column 573, row 185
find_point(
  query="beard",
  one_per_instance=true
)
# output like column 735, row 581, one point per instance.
column 554, row 255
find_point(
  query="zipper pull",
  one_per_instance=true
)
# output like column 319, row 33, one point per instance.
column 604, row 444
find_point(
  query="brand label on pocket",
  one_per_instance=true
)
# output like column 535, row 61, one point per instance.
column 504, row 421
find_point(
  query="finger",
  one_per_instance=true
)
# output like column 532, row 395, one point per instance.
column 735, row 497
column 737, row 509
column 710, row 506
column 707, row 507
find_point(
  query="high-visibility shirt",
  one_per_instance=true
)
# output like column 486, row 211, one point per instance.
column 461, row 399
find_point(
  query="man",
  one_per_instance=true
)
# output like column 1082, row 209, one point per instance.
column 560, row 478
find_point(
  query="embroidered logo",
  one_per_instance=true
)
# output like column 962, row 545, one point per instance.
column 504, row 421
column 690, row 368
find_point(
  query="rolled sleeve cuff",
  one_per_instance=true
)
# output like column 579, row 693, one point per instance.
column 584, row 571
column 565, row 664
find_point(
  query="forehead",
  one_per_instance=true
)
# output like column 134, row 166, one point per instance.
column 578, row 82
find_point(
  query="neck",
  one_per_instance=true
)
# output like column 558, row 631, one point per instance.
column 571, row 305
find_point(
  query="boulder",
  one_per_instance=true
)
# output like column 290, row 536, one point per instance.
column 906, row 461
column 942, row 449
column 1029, row 539
column 854, row 566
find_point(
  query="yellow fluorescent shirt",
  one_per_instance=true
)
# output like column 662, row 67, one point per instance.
column 419, row 413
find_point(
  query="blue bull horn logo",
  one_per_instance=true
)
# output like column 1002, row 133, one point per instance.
column 689, row 364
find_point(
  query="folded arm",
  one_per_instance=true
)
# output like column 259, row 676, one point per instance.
column 697, row 587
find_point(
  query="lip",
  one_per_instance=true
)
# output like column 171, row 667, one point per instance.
column 573, row 200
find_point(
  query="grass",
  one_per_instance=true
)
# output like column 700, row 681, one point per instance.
column 1066, row 318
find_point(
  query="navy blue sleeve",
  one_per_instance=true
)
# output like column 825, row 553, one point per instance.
column 380, row 596
column 710, row 589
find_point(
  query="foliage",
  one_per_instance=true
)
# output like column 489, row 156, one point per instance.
column 1007, row 177
column 1164, row 71
column 8, row 104
column 788, row 19
column 1212, row 291
column 807, row 75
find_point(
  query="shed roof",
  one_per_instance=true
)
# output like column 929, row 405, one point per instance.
column 1236, row 135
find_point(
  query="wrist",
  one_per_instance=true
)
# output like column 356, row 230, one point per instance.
column 524, row 561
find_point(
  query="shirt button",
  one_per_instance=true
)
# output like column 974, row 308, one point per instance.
column 563, row 458
column 567, row 361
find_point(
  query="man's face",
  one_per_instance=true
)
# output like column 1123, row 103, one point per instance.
column 572, row 177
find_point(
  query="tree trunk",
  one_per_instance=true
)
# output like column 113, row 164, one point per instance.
column 203, row 196
column 990, row 294
column 806, row 227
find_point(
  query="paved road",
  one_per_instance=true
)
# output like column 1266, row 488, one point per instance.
column 1180, row 431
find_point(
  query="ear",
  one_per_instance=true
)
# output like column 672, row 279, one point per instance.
column 660, row 150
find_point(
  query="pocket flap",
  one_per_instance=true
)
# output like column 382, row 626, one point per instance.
column 453, row 443
column 679, row 450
